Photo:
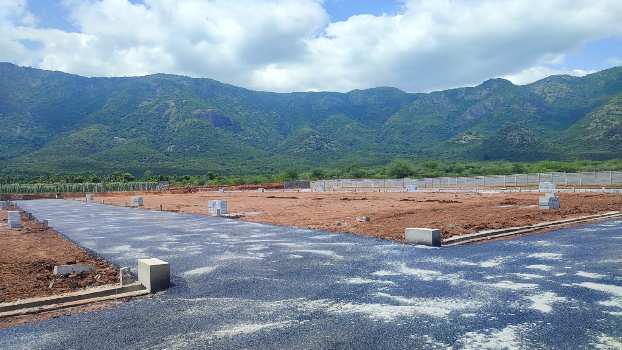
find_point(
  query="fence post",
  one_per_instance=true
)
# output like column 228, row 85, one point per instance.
column 566, row 178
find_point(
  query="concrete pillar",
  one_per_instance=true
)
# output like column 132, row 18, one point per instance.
column 154, row 274
column 423, row 236
column 14, row 219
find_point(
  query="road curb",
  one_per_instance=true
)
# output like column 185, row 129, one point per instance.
column 510, row 231
column 35, row 305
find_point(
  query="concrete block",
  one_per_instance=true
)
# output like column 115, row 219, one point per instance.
column 221, row 190
column 411, row 188
column 423, row 236
column 137, row 201
column 549, row 201
column 14, row 219
column 546, row 187
column 217, row 207
column 74, row 268
column 362, row 218
column 154, row 274
column 4, row 205
column 261, row 190
column 45, row 224
column 89, row 197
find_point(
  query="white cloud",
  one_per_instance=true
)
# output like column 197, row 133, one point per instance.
column 532, row 74
column 290, row 45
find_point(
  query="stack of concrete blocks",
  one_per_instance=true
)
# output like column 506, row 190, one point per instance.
column 547, row 187
column 423, row 236
column 217, row 207
column 154, row 274
column 137, row 201
column 89, row 197
column 549, row 200
column 14, row 219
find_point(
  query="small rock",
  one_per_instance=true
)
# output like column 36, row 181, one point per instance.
column 362, row 218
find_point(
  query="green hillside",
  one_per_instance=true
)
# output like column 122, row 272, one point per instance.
column 54, row 122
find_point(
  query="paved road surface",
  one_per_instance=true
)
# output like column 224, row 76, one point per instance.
column 246, row 285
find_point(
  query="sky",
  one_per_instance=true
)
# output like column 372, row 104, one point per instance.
column 316, row 45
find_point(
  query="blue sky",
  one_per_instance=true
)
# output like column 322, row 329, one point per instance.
column 293, row 45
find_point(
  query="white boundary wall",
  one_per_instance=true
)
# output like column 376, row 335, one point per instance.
column 579, row 180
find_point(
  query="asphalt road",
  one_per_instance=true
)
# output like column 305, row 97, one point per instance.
column 247, row 285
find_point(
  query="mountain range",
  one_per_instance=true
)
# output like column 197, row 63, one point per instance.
column 54, row 122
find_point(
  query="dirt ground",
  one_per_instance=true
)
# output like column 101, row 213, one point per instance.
column 7, row 322
column 28, row 257
column 389, row 213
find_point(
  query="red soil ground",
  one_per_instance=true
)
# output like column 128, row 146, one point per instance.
column 27, row 260
column 389, row 213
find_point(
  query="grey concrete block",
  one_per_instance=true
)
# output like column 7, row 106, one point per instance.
column 549, row 201
column 423, row 236
column 4, row 205
column 137, row 201
column 261, row 190
column 362, row 218
column 88, row 197
column 411, row 188
column 14, row 219
column 546, row 187
column 154, row 274
column 217, row 207
column 74, row 268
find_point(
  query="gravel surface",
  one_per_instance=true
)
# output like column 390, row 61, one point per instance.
column 247, row 285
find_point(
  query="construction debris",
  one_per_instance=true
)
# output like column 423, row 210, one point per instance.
column 74, row 268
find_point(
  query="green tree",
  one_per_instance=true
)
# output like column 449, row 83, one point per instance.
column 399, row 169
